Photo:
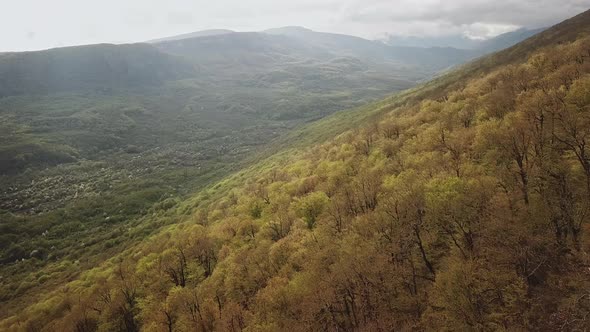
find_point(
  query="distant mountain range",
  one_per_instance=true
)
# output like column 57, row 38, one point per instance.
column 93, row 67
column 462, row 42
column 270, row 57
column 224, row 181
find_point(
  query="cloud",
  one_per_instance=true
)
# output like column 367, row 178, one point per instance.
column 486, row 30
column 73, row 22
column 474, row 18
column 181, row 18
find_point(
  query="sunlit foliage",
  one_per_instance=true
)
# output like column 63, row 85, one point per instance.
column 464, row 212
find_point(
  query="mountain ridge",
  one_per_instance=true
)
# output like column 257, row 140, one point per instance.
column 122, row 67
column 196, row 34
column 99, row 66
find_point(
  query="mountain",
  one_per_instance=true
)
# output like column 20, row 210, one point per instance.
column 92, row 114
column 506, row 40
column 434, row 58
column 298, row 44
column 241, row 49
column 461, row 42
column 460, row 204
column 203, row 33
column 92, row 67
column 92, row 138
column 219, row 53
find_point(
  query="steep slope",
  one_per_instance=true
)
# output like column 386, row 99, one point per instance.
column 94, row 67
column 93, row 151
column 460, row 205
column 97, row 139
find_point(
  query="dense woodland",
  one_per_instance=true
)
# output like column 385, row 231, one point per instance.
column 95, row 139
column 466, row 210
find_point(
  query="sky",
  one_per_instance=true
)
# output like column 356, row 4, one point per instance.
column 41, row 24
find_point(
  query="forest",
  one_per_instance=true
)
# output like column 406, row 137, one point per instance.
column 462, row 205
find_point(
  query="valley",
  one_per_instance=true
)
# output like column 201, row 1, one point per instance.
column 294, row 179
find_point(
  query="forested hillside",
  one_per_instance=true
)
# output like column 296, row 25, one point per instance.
column 93, row 137
column 94, row 67
column 462, row 205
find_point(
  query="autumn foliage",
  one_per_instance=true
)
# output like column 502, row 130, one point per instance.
column 465, row 211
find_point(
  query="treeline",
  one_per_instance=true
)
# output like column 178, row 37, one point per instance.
column 468, row 212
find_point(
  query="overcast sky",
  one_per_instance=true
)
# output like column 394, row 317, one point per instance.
column 40, row 24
